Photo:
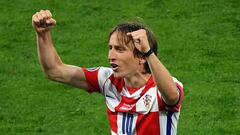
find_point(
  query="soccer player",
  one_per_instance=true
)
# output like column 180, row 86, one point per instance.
column 141, row 95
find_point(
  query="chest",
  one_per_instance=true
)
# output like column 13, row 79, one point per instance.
column 142, row 101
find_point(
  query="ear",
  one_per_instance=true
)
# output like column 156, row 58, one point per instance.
column 142, row 60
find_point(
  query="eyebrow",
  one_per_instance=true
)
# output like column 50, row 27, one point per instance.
column 114, row 45
column 118, row 46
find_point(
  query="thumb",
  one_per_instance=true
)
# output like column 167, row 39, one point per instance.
column 51, row 22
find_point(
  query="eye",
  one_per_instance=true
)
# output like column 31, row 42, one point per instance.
column 109, row 47
column 120, row 49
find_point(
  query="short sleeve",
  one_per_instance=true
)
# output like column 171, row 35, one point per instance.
column 177, row 106
column 96, row 77
column 91, row 75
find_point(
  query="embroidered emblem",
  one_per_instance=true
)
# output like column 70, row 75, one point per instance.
column 126, row 107
column 147, row 101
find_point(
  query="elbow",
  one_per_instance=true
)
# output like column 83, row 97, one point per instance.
column 173, row 98
column 50, row 77
column 53, row 75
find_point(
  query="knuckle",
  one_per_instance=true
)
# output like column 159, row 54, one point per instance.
column 47, row 11
column 39, row 16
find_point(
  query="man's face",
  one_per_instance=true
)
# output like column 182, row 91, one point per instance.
column 121, row 58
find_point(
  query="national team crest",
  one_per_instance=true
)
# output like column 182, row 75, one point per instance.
column 147, row 101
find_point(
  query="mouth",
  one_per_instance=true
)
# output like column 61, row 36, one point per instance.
column 114, row 66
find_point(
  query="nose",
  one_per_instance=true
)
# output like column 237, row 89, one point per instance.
column 111, row 55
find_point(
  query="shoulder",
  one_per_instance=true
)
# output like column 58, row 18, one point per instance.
column 104, row 72
column 99, row 73
column 96, row 77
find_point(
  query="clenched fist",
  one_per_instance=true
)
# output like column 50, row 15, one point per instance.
column 42, row 21
column 140, row 40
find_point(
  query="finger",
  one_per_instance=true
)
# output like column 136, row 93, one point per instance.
column 137, row 40
column 39, row 16
column 135, row 37
column 48, row 13
column 50, row 22
column 43, row 14
column 129, row 34
column 133, row 33
column 35, row 19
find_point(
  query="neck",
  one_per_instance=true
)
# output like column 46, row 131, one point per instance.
column 137, row 80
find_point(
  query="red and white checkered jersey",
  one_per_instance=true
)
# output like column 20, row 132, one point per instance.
column 143, row 112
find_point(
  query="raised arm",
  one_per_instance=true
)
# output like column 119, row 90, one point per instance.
column 49, row 59
column 162, row 77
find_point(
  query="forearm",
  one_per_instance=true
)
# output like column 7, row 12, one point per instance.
column 53, row 66
column 163, row 80
column 48, row 57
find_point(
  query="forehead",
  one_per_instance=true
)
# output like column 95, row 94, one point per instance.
column 113, row 40
column 120, row 39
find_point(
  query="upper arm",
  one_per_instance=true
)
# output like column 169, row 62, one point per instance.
column 69, row 74
column 175, row 107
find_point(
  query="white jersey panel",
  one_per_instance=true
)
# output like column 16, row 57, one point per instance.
column 168, row 118
column 176, row 81
column 113, row 98
column 126, row 123
column 103, row 75
column 148, row 102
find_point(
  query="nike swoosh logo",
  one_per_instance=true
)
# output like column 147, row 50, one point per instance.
column 109, row 96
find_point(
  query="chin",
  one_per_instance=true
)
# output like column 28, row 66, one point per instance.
column 118, row 75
